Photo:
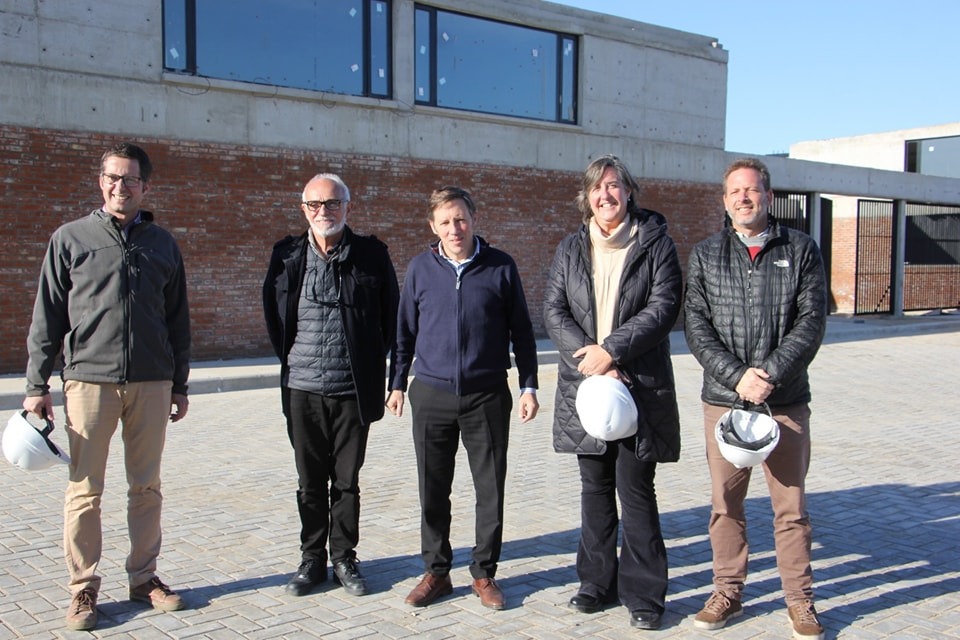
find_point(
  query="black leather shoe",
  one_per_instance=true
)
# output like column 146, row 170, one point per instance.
column 586, row 603
column 309, row 574
column 346, row 573
column 645, row 619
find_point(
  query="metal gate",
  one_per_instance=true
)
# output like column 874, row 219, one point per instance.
column 874, row 271
column 792, row 210
column 931, row 278
column 931, row 270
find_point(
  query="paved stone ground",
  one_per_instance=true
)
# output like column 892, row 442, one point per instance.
column 884, row 497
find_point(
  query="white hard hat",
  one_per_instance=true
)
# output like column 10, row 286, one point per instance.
column 746, row 438
column 606, row 408
column 28, row 447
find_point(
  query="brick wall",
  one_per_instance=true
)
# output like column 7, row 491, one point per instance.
column 843, row 265
column 228, row 204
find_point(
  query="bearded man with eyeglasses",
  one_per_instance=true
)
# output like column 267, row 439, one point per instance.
column 113, row 297
column 330, row 301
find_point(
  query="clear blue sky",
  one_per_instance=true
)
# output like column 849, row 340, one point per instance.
column 820, row 69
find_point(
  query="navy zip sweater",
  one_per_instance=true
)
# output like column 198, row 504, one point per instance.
column 460, row 329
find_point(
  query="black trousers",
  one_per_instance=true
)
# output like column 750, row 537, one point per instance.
column 639, row 576
column 440, row 421
column 329, row 446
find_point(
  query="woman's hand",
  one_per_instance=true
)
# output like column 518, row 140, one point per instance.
column 595, row 361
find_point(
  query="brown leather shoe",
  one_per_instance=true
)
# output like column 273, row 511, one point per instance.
column 430, row 588
column 489, row 593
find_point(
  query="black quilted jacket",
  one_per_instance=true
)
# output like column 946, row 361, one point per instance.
column 770, row 313
column 368, row 300
column 651, row 293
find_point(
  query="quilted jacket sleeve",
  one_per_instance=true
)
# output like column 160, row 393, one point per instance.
column 564, row 314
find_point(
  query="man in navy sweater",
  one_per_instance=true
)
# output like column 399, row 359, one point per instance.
column 461, row 308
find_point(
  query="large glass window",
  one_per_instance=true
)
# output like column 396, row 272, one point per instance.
column 934, row 157
column 338, row 46
column 475, row 64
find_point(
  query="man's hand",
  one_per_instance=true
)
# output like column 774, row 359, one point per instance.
column 395, row 402
column 528, row 407
column 40, row 406
column 181, row 403
column 755, row 386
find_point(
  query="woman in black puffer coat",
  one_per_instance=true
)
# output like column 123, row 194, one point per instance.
column 613, row 296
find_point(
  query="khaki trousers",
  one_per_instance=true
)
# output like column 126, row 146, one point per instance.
column 785, row 471
column 92, row 413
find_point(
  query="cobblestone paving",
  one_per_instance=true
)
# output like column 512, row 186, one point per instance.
column 884, row 492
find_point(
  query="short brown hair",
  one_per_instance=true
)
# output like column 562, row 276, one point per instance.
column 130, row 151
column 748, row 163
column 443, row 195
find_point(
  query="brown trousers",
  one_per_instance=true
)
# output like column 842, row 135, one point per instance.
column 785, row 470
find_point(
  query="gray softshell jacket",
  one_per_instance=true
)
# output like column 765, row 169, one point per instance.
column 116, row 305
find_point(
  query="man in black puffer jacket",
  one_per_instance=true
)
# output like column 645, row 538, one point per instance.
column 755, row 315
column 330, row 302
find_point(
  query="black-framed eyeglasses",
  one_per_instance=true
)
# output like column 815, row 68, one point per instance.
column 128, row 181
column 333, row 204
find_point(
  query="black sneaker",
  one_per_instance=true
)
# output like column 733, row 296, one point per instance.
column 347, row 574
column 309, row 574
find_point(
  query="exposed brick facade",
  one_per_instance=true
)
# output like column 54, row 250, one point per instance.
column 843, row 265
column 228, row 204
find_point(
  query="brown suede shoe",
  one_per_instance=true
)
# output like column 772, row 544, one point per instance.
column 806, row 625
column 430, row 588
column 489, row 593
column 157, row 595
column 82, row 614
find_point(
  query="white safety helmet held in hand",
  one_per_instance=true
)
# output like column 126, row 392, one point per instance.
column 606, row 408
column 28, row 447
column 746, row 438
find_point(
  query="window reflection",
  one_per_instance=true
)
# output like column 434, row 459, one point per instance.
column 321, row 45
column 934, row 156
column 469, row 63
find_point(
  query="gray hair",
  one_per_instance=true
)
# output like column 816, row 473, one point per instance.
column 334, row 178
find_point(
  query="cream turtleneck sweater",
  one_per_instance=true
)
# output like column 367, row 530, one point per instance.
column 608, row 253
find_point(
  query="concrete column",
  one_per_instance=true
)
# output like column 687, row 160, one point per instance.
column 816, row 218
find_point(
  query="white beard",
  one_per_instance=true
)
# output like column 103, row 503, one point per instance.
column 329, row 231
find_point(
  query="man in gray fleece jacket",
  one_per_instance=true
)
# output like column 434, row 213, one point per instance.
column 113, row 297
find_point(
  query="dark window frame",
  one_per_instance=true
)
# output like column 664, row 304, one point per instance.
column 917, row 161
column 566, row 97
column 190, row 67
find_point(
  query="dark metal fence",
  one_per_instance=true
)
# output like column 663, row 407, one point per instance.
column 932, row 257
column 931, row 278
column 792, row 210
column 874, row 271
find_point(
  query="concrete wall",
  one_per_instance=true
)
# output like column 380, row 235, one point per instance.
column 648, row 84
column 876, row 150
